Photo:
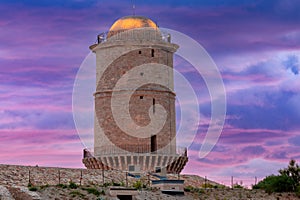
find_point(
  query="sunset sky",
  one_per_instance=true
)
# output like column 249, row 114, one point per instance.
column 255, row 44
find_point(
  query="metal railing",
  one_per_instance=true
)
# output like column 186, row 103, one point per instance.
column 141, row 149
column 147, row 34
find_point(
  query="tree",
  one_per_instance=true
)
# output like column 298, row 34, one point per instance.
column 292, row 171
column 288, row 180
column 274, row 183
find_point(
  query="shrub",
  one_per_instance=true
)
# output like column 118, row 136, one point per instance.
column 115, row 184
column 293, row 172
column 298, row 191
column 106, row 184
column 207, row 185
column 44, row 186
column 122, row 183
column 92, row 191
column 188, row 188
column 32, row 188
column 61, row 186
column 102, row 192
column 220, row 186
column 73, row 185
column 287, row 181
column 280, row 183
column 138, row 185
column 238, row 186
column 76, row 193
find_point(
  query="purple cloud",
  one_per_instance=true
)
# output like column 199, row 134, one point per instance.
column 294, row 140
column 253, row 150
column 255, row 45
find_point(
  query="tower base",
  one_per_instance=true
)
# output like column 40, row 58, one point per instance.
column 138, row 163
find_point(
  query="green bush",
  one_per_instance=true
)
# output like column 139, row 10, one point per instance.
column 293, row 172
column 62, row 186
column 92, row 191
column 298, row 191
column 138, row 185
column 280, row 183
column 288, row 180
column 238, row 186
column 32, row 188
column 44, row 186
column 106, row 184
column 76, row 193
column 115, row 184
column 207, row 185
column 122, row 183
column 189, row 188
column 73, row 185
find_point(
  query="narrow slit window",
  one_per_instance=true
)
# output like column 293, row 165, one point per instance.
column 140, row 52
column 153, row 105
column 152, row 52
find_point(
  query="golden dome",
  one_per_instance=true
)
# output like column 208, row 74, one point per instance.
column 132, row 22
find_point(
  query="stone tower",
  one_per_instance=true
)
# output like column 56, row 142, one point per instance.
column 135, row 122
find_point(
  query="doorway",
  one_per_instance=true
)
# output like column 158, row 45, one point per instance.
column 124, row 197
column 153, row 143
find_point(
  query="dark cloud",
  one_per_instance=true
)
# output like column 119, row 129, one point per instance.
column 221, row 161
column 277, row 109
column 295, row 140
column 253, row 150
column 278, row 155
column 273, row 143
column 34, row 119
column 243, row 137
column 55, row 120
column 292, row 63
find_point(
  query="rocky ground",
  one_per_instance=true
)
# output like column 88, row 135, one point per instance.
column 61, row 183
column 100, row 193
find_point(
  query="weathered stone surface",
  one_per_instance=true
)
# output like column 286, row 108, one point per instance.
column 13, row 177
column 16, row 175
column 143, row 95
column 5, row 194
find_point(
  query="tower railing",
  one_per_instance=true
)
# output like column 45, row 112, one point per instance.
column 140, row 149
column 148, row 34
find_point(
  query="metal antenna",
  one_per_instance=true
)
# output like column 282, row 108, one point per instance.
column 133, row 7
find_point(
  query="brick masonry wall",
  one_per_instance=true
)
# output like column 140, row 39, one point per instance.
column 139, row 108
column 114, row 59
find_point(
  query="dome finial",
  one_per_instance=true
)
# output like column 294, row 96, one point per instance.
column 133, row 7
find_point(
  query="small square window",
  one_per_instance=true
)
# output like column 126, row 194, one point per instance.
column 131, row 168
column 140, row 52
column 141, row 97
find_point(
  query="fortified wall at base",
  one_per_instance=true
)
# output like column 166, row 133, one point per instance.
column 20, row 175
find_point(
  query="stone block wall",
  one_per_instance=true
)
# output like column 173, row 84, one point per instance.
column 22, row 175
column 16, row 175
